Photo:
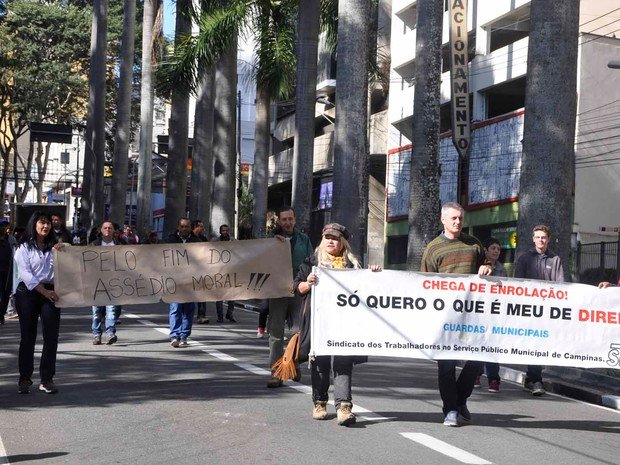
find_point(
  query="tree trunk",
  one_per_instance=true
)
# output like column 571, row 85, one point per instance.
column 305, row 93
column 260, row 171
column 224, row 141
column 351, row 160
column 118, row 196
column 548, row 161
column 94, row 158
column 176, row 173
column 145, row 160
column 202, row 159
column 424, row 201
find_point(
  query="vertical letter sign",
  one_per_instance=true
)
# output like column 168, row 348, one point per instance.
column 458, row 77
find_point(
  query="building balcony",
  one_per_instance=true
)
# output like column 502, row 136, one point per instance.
column 281, row 163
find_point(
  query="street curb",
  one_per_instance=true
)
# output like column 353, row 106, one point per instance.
column 565, row 388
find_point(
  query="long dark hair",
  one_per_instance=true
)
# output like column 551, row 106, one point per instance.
column 30, row 235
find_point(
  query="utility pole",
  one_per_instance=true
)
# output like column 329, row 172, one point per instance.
column 238, row 160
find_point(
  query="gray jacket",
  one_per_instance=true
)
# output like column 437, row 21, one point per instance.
column 544, row 267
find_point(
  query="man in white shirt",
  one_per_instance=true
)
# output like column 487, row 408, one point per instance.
column 110, row 311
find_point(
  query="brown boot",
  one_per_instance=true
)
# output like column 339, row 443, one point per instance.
column 345, row 416
column 319, row 412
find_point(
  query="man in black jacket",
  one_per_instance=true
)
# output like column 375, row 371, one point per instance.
column 201, row 307
column 60, row 230
column 219, row 305
column 181, row 314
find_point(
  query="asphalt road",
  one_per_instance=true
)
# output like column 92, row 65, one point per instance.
column 141, row 401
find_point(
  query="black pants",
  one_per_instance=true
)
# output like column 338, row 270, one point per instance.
column 534, row 373
column 263, row 313
column 202, row 309
column 6, row 278
column 455, row 393
column 30, row 306
column 219, row 307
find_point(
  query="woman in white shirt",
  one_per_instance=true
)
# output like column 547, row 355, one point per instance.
column 34, row 298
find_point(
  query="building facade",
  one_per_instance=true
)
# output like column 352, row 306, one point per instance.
column 498, row 33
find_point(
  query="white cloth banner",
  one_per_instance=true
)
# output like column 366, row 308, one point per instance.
column 448, row 316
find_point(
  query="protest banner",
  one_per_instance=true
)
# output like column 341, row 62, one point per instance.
column 448, row 316
column 193, row 272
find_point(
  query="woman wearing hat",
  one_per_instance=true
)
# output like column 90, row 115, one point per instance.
column 334, row 251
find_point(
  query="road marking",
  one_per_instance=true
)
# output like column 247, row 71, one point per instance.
column 509, row 375
column 304, row 389
column 446, row 449
column 4, row 459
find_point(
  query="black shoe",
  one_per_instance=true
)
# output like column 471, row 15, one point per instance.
column 220, row 319
column 1, row 319
column 24, row 386
column 48, row 388
column 464, row 413
column 231, row 318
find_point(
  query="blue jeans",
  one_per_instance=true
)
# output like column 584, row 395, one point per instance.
column 181, row 316
column 110, row 312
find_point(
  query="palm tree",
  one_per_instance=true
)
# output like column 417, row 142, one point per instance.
column 224, row 140
column 94, row 155
column 351, row 159
column 123, row 130
column 176, row 173
column 274, row 74
column 202, row 156
column 145, row 160
column 219, row 24
column 260, row 170
column 305, row 99
column 424, row 202
column 548, row 161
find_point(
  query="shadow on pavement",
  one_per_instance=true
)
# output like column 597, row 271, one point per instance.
column 31, row 457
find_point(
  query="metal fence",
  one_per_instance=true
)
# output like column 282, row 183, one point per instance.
column 599, row 261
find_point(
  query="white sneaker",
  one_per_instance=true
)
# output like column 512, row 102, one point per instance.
column 538, row 389
column 452, row 418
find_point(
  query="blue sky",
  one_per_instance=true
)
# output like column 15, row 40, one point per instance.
column 169, row 10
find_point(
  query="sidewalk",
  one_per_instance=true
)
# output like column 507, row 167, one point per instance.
column 576, row 383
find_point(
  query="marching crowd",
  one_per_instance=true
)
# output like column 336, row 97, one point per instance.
column 452, row 251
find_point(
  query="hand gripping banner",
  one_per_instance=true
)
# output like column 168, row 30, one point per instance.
column 195, row 272
column 465, row 317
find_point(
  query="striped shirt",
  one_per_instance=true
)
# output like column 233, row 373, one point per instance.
column 463, row 255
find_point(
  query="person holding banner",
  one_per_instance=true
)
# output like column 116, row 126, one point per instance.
column 284, row 309
column 541, row 264
column 110, row 312
column 492, row 249
column 455, row 252
column 34, row 298
column 181, row 314
column 334, row 251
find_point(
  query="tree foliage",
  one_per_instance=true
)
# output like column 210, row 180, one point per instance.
column 219, row 22
column 44, row 62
